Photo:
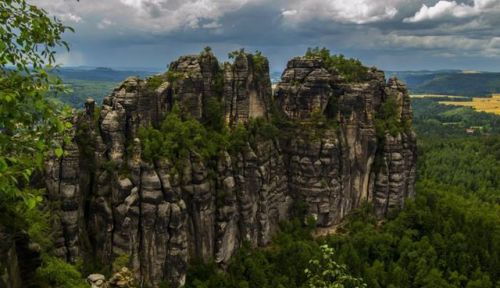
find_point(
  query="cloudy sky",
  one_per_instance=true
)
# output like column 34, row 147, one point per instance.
column 390, row 34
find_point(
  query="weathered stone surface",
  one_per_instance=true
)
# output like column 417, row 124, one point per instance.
column 121, row 279
column 62, row 181
column 113, row 202
column 247, row 88
column 97, row 281
column 305, row 87
column 20, row 259
column 195, row 80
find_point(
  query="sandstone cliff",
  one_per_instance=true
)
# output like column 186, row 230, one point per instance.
column 332, row 153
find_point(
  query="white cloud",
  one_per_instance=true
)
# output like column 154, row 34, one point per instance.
column 105, row 23
column 451, row 9
column 493, row 47
column 212, row 25
column 61, row 9
column 146, row 15
column 168, row 15
column 69, row 17
column 353, row 11
column 138, row 23
column 289, row 13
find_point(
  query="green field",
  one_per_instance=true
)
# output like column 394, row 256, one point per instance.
column 82, row 89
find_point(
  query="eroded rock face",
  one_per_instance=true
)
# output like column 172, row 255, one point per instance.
column 195, row 82
column 305, row 87
column 162, row 215
column 247, row 88
column 20, row 259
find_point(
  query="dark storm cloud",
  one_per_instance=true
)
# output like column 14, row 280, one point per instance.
column 392, row 34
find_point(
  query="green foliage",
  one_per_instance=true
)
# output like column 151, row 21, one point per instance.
column 213, row 116
column 261, row 128
column 120, row 261
column 28, row 36
column 260, row 63
column 474, row 162
column 448, row 237
column 173, row 76
column 259, row 60
column 39, row 225
column 324, row 272
column 207, row 49
column 263, row 267
column 388, row 119
column 178, row 137
column 154, row 82
column 238, row 138
column 351, row 69
column 28, row 121
column 77, row 91
column 110, row 166
column 235, row 53
column 56, row 273
column 31, row 127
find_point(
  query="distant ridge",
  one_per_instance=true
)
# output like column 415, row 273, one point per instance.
column 99, row 73
column 451, row 82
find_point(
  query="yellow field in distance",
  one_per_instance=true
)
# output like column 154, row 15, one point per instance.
column 489, row 105
column 418, row 96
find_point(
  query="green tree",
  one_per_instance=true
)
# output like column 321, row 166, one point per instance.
column 324, row 272
column 28, row 121
column 351, row 69
column 31, row 126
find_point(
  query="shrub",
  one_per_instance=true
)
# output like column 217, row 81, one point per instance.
column 56, row 273
column 120, row 261
column 214, row 114
column 178, row 137
column 389, row 120
column 154, row 82
column 351, row 69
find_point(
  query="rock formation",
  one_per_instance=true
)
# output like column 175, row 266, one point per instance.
column 247, row 88
column 114, row 202
column 121, row 279
column 20, row 259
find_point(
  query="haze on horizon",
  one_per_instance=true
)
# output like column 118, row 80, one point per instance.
column 389, row 34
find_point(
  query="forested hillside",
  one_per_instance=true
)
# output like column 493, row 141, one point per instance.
column 450, row 82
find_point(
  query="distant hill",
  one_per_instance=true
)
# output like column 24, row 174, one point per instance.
column 95, row 82
column 450, row 82
column 99, row 73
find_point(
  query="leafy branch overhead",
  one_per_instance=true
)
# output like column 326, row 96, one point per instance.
column 31, row 126
column 29, row 36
